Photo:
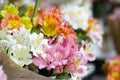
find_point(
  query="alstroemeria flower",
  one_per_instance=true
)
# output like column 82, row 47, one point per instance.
column 94, row 31
column 6, row 40
column 37, row 43
column 26, row 22
column 79, row 60
column 61, row 52
column 86, row 49
column 20, row 54
column 50, row 21
column 67, row 30
column 3, row 76
column 15, row 22
column 21, row 36
column 112, row 68
column 11, row 9
column 10, row 20
column 40, row 62
column 81, row 71
column 58, row 55
column 4, row 45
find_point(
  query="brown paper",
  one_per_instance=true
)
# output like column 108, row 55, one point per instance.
column 15, row 72
column 114, row 27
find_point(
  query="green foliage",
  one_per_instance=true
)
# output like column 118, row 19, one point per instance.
column 22, row 10
column 36, row 30
column 63, row 76
column 82, row 36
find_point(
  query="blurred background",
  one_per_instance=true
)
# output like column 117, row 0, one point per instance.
column 108, row 14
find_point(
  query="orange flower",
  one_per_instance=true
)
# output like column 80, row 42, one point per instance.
column 50, row 21
column 15, row 22
column 92, row 24
column 112, row 67
column 67, row 30
column 10, row 20
column 53, row 25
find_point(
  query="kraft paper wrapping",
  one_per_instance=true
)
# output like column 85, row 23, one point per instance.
column 15, row 72
column 114, row 28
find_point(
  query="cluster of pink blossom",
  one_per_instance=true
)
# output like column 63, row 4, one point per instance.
column 64, row 56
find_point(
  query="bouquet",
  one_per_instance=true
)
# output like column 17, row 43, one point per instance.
column 112, row 68
column 113, row 22
column 44, row 42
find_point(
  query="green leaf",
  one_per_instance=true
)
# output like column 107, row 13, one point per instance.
column 63, row 75
column 85, row 38
column 81, row 35
column 80, row 31
column 36, row 30
column 22, row 10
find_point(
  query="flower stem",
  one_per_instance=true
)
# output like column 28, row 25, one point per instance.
column 37, row 4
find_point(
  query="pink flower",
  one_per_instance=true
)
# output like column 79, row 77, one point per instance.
column 94, row 31
column 40, row 62
column 80, row 56
column 3, row 76
column 70, row 44
column 82, row 70
column 85, row 49
column 58, row 55
column 90, row 56
column 61, row 52
column 96, row 37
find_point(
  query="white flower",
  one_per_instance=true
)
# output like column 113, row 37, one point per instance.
column 21, row 36
column 77, row 16
column 37, row 44
column 20, row 54
column 3, row 33
column 6, row 40
column 4, row 45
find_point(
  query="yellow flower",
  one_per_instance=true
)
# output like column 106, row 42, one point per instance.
column 11, row 20
column 26, row 22
column 50, row 21
column 9, row 9
column 49, row 27
column 115, row 74
column 116, row 61
column 29, row 11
